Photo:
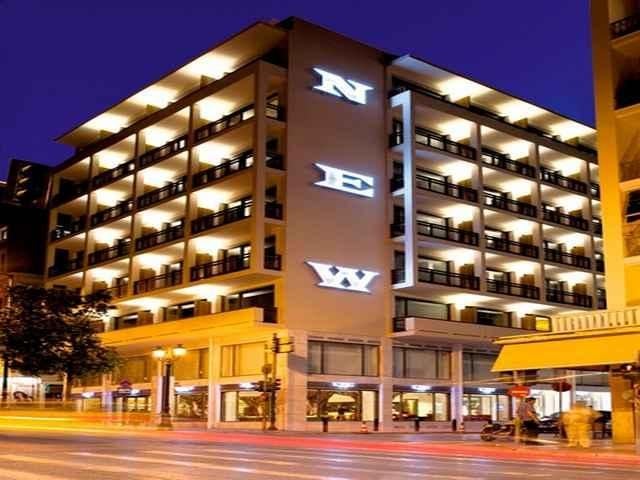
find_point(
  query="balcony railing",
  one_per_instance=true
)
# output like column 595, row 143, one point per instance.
column 159, row 194
column 511, row 246
column 224, row 123
column 451, row 279
column 223, row 217
column 273, row 262
column 273, row 210
column 112, row 213
column 165, row 151
column 595, row 191
column 569, row 298
column 66, row 267
column 158, row 238
column 220, row 267
column 597, row 225
column 554, row 178
column 120, row 250
column 602, row 303
column 503, row 162
column 564, row 219
column 238, row 163
column 62, row 231
column 69, row 193
column 113, row 174
column 514, row 289
column 168, row 279
column 558, row 256
column 275, row 161
column 440, row 142
column 457, row 235
column 445, row 188
column 510, row 205
column 600, row 265
column 118, row 291
column 625, row 26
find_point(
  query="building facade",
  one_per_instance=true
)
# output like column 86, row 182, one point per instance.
column 389, row 217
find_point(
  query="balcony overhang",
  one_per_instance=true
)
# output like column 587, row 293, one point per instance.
column 196, row 330
column 451, row 332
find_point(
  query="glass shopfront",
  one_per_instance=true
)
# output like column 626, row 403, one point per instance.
column 242, row 406
column 138, row 401
column 191, row 403
column 344, row 402
column 486, row 406
column 425, row 406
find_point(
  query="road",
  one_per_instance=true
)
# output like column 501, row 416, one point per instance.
column 55, row 455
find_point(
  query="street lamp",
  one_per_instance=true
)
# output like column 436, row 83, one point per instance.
column 167, row 357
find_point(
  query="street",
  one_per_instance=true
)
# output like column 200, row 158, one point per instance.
column 40, row 454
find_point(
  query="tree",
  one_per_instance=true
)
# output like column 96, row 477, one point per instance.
column 48, row 331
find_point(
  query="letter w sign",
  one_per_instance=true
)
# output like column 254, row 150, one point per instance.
column 343, row 278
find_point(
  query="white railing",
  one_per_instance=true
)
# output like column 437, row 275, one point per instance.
column 626, row 317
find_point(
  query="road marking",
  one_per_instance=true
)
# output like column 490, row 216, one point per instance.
column 220, row 457
column 82, row 466
column 207, row 466
column 22, row 475
column 286, row 455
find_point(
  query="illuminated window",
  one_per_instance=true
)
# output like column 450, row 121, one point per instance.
column 633, row 206
column 421, row 363
column 4, row 233
column 194, row 365
column 333, row 358
column 342, row 405
column 244, row 359
column 477, row 366
column 239, row 406
column 427, row 406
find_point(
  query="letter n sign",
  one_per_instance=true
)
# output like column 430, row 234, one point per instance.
column 336, row 85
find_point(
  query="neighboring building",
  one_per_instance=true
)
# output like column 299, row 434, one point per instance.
column 606, row 342
column 391, row 216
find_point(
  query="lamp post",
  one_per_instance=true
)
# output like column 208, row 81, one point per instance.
column 166, row 357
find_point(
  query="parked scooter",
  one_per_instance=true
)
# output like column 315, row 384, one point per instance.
column 492, row 430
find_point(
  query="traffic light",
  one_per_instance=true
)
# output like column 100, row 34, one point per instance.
column 276, row 385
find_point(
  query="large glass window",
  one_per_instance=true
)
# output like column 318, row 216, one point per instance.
column 194, row 365
column 191, row 405
column 261, row 297
column 426, row 406
column 134, row 369
column 407, row 307
column 244, row 359
column 333, row 358
column 342, row 405
column 477, row 366
column 485, row 407
column 421, row 363
column 633, row 206
column 242, row 406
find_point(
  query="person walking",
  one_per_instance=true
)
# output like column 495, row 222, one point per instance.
column 578, row 423
column 529, row 420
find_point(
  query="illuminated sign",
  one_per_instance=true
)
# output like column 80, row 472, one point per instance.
column 87, row 394
column 336, row 85
column 184, row 389
column 343, row 385
column 420, row 388
column 345, row 181
column 247, row 386
column 486, row 390
column 343, row 278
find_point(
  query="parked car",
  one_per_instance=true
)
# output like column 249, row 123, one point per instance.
column 601, row 426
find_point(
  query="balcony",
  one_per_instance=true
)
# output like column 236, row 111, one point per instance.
column 165, row 280
column 569, row 298
column 238, row 163
column 275, row 161
column 112, row 213
column 447, row 233
column 223, row 217
column 595, row 191
column 158, row 238
column 273, row 262
column 625, row 26
column 69, row 192
column 118, row 291
column 165, row 151
column 113, row 174
column 163, row 193
column 565, row 220
column 117, row 251
column 511, row 246
column 439, row 277
column 220, row 267
column 502, row 161
column 224, row 123
column 558, row 256
column 273, row 210
column 66, row 267
column 509, row 205
column 445, row 188
column 600, row 265
column 513, row 289
column 597, row 225
column 63, row 231
column 440, row 142
column 554, row 178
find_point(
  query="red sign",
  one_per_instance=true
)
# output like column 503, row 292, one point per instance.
column 519, row 391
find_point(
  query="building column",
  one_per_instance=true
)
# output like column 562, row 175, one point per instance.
column 622, row 414
column 294, row 382
column 457, row 384
column 106, row 397
column 213, row 389
column 385, row 390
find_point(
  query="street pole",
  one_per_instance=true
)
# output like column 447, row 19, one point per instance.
column 165, row 412
column 5, row 380
column 272, row 389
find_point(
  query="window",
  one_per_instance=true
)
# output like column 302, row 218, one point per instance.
column 194, row 365
column 244, row 359
column 134, row 369
column 477, row 366
column 4, row 233
column 177, row 312
column 191, row 405
column 242, row 406
column 407, row 307
column 342, row 405
column 426, row 406
column 486, row 407
column 421, row 363
column 633, row 206
column 332, row 358
column 126, row 321
column 260, row 297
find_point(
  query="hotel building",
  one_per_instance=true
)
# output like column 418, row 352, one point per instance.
column 389, row 217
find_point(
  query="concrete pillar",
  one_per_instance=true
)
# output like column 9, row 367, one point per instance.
column 294, row 392
column 457, row 384
column 622, row 421
column 106, row 398
column 259, row 169
column 385, row 390
column 213, row 389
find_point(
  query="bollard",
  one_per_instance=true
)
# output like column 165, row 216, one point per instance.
column 416, row 425
column 454, row 425
column 364, row 428
column 376, row 424
column 325, row 424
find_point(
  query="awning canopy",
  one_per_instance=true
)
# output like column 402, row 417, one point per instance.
column 573, row 351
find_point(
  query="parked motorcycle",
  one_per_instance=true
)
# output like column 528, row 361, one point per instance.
column 492, row 431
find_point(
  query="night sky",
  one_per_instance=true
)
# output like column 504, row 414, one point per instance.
column 62, row 61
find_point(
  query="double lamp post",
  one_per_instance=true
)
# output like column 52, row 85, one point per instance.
column 167, row 357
